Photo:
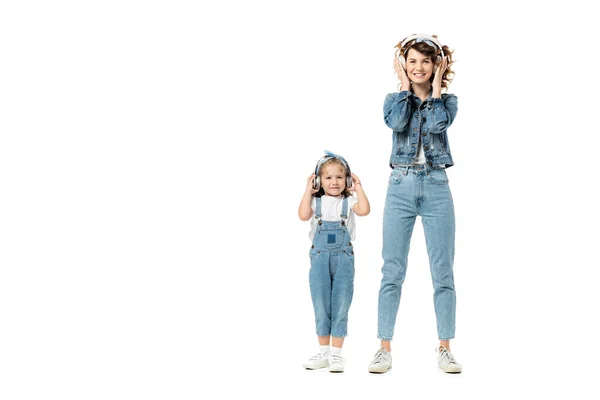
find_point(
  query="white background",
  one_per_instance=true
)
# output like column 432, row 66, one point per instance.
column 153, row 155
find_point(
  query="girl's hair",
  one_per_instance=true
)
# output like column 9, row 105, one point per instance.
column 432, row 52
column 331, row 161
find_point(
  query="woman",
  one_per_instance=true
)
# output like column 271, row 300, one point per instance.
column 419, row 115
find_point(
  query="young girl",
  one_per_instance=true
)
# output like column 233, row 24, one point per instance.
column 419, row 115
column 327, row 197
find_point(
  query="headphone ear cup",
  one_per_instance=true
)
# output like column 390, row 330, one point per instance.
column 348, row 182
column 317, row 183
column 402, row 61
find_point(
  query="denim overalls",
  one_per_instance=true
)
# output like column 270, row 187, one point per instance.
column 331, row 273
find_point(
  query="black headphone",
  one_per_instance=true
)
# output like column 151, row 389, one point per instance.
column 328, row 156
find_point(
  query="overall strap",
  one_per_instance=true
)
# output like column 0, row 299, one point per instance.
column 318, row 213
column 344, row 213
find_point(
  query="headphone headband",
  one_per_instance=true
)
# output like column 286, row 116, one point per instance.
column 328, row 156
column 424, row 38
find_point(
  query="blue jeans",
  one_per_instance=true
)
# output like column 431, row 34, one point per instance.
column 331, row 278
column 414, row 191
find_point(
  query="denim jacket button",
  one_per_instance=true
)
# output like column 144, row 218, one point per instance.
column 426, row 147
column 424, row 134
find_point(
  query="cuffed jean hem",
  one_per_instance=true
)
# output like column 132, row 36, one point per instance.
column 332, row 334
column 450, row 338
column 384, row 338
column 344, row 335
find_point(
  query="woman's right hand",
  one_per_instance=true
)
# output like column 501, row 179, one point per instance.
column 309, row 185
column 405, row 82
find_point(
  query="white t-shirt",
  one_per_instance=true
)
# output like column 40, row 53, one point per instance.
column 331, row 209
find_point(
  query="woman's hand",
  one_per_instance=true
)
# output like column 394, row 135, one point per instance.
column 309, row 184
column 437, row 79
column 405, row 82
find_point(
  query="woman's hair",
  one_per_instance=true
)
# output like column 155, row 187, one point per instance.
column 433, row 52
column 331, row 161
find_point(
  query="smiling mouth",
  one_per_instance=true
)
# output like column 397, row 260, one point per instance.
column 419, row 75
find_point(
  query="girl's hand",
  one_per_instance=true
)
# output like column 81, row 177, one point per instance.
column 439, row 74
column 355, row 181
column 309, row 185
column 405, row 82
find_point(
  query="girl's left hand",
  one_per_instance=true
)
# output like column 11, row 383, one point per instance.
column 439, row 74
column 355, row 181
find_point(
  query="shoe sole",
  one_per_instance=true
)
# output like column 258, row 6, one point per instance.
column 451, row 372
column 313, row 368
column 379, row 372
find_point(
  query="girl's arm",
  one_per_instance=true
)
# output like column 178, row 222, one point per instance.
column 362, row 207
column 397, row 110
column 443, row 113
column 305, row 211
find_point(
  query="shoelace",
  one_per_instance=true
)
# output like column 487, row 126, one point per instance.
column 378, row 357
column 446, row 355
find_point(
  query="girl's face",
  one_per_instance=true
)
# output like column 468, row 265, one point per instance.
column 333, row 179
column 419, row 67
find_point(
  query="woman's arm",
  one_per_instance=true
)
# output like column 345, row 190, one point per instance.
column 443, row 113
column 397, row 110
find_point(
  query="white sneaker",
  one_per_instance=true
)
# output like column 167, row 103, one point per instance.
column 336, row 363
column 382, row 362
column 319, row 360
column 446, row 361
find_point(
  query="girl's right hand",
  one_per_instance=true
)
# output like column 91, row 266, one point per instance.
column 405, row 82
column 309, row 185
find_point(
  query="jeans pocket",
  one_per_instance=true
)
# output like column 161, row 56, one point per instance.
column 438, row 176
column 396, row 177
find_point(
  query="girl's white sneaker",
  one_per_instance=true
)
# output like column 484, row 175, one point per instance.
column 336, row 363
column 319, row 360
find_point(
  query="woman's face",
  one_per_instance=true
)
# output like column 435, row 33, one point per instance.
column 419, row 67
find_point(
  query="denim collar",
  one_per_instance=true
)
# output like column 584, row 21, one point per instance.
column 417, row 97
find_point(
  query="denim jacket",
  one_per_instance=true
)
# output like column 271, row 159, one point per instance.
column 409, row 117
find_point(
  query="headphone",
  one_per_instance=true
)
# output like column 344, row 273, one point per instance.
column 424, row 38
column 328, row 156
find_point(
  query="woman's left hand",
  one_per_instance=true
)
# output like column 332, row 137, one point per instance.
column 437, row 79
